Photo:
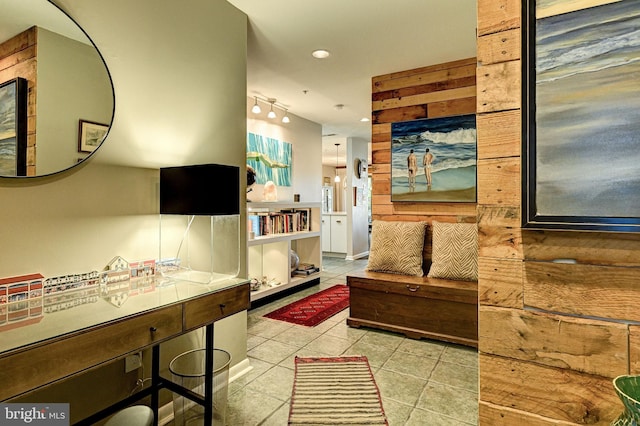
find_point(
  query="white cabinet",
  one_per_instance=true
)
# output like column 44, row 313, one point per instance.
column 334, row 233
column 326, row 232
column 339, row 234
column 269, row 254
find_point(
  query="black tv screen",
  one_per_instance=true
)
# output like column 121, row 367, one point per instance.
column 204, row 189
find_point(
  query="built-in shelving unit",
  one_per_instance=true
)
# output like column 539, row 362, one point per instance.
column 269, row 255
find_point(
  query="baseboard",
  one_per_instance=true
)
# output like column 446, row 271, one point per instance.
column 358, row 256
column 165, row 413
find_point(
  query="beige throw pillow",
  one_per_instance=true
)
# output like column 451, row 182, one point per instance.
column 454, row 251
column 396, row 247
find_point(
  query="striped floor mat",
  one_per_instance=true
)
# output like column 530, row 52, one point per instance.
column 335, row 391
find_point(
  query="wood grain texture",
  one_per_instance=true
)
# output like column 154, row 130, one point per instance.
column 499, row 134
column 586, row 345
column 496, row 415
column 597, row 248
column 499, row 181
column 500, row 216
column 500, row 282
column 499, row 242
column 585, row 290
column 497, row 15
column 499, row 47
column 634, row 349
column 499, row 87
column 556, row 393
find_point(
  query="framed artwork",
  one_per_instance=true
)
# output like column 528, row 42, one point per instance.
column 13, row 127
column 270, row 159
column 434, row 160
column 90, row 135
column 581, row 115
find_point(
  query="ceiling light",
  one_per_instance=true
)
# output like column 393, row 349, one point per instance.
column 285, row 119
column 320, row 54
column 271, row 113
column 364, row 119
column 337, row 178
column 256, row 108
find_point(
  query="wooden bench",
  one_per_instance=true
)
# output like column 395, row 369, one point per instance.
column 418, row 307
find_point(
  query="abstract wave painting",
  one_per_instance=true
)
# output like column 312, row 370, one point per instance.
column 270, row 158
column 451, row 143
column 587, row 109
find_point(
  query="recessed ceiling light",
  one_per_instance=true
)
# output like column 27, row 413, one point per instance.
column 320, row 53
column 364, row 119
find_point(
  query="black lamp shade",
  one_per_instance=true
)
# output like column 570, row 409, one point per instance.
column 204, row 189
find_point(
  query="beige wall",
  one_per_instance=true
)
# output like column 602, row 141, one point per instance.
column 180, row 76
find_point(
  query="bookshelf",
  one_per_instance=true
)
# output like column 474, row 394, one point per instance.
column 279, row 228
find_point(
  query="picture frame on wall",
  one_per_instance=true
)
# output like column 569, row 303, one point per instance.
column 581, row 115
column 434, row 160
column 90, row 135
column 13, row 127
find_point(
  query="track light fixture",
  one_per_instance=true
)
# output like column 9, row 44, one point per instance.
column 272, row 104
column 256, row 108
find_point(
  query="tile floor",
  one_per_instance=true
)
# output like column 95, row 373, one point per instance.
column 421, row 382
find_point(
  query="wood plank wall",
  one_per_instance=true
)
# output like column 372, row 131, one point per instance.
column 18, row 59
column 552, row 336
column 428, row 92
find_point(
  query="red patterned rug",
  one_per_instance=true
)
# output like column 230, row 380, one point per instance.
column 314, row 309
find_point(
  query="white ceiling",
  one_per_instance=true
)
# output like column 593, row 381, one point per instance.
column 366, row 38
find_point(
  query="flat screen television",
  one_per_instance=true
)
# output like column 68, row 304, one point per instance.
column 203, row 189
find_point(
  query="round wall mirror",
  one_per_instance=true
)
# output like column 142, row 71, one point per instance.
column 56, row 94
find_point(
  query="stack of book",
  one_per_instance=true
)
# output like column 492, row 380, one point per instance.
column 306, row 269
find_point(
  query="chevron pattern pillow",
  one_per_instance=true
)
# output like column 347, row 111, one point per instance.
column 454, row 251
column 396, row 247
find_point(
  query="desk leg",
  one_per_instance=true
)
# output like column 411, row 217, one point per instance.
column 208, row 376
column 155, row 382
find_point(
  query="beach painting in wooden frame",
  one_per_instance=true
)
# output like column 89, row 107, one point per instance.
column 434, row 159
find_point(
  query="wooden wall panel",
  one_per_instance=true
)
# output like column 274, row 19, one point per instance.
column 499, row 181
column 500, row 134
column 634, row 349
column 551, row 392
column 586, row 290
column 495, row 415
column 499, row 47
column 499, row 242
column 499, row 87
column 579, row 344
column 500, row 282
column 599, row 248
column 497, row 15
column 551, row 335
column 433, row 91
column 18, row 58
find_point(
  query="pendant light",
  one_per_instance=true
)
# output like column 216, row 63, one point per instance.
column 271, row 114
column 285, row 119
column 256, row 108
column 337, row 178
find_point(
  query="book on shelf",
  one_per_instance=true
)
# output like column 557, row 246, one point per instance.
column 305, row 266
column 306, row 271
column 281, row 222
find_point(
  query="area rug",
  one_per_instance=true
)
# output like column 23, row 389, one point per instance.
column 312, row 310
column 335, row 391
